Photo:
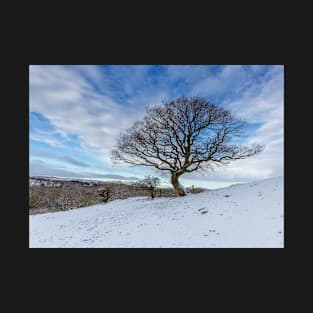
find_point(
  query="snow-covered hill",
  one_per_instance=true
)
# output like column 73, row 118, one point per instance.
column 241, row 216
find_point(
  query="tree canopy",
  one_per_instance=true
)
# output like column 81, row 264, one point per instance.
column 182, row 136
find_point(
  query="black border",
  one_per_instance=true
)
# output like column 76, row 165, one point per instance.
column 231, row 264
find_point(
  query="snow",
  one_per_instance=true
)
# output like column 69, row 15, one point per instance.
column 240, row 216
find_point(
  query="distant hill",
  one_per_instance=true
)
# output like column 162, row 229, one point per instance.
column 106, row 177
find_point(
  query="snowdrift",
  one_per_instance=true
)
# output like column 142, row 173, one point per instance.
column 241, row 216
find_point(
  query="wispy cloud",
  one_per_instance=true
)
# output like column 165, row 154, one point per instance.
column 73, row 106
column 93, row 103
column 39, row 167
column 46, row 138
column 75, row 162
column 55, row 156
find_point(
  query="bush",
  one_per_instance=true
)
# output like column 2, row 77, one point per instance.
column 65, row 198
column 105, row 194
column 35, row 200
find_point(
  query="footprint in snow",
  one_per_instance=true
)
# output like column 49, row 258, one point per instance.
column 202, row 211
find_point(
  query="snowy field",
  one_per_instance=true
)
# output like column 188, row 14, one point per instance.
column 241, row 216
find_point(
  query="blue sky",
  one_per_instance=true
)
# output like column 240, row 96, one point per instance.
column 77, row 112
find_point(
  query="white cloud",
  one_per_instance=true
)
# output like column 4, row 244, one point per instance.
column 46, row 137
column 231, row 77
column 259, row 103
column 80, row 100
column 73, row 106
column 39, row 167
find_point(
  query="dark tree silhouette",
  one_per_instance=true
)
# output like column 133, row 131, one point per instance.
column 183, row 136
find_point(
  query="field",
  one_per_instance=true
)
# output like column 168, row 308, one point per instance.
column 240, row 216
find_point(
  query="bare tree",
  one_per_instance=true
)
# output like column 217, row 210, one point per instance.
column 183, row 136
column 150, row 183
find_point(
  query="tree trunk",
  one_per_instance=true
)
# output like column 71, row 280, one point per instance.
column 177, row 186
column 152, row 192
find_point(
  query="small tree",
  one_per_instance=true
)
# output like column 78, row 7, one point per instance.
column 192, row 188
column 183, row 136
column 150, row 183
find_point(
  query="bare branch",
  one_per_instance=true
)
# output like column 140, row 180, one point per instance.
column 183, row 135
